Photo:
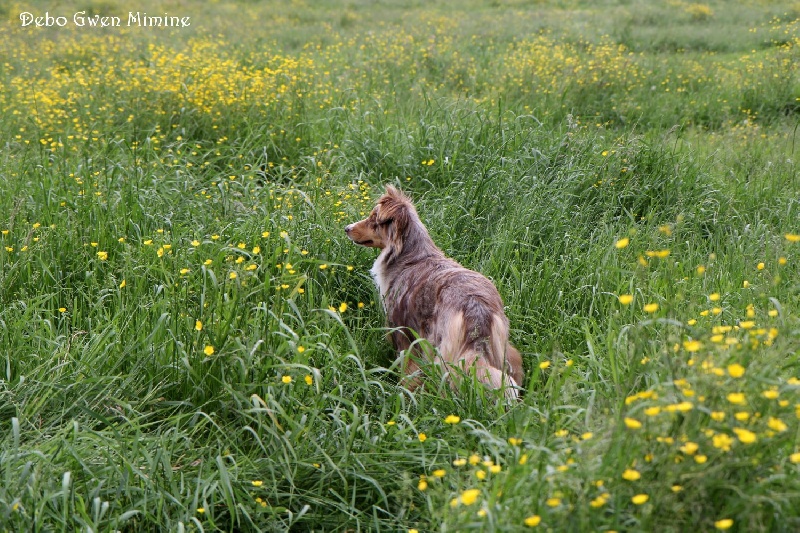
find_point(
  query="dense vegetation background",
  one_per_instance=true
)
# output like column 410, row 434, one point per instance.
column 189, row 342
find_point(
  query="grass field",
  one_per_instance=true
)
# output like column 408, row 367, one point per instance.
column 189, row 341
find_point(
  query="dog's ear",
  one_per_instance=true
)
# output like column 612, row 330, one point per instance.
column 391, row 190
column 394, row 192
column 395, row 213
column 401, row 216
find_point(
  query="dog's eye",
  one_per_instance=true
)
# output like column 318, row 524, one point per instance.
column 386, row 222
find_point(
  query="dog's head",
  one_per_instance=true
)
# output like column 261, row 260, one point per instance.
column 387, row 223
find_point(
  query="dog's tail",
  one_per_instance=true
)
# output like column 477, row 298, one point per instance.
column 495, row 378
column 503, row 355
column 497, row 364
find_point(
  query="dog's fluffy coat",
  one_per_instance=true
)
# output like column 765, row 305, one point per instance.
column 457, row 310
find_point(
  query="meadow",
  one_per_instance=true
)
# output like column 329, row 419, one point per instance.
column 189, row 342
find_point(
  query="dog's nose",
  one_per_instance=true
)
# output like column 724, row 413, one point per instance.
column 348, row 228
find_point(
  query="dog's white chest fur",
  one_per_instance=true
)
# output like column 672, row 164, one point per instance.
column 378, row 272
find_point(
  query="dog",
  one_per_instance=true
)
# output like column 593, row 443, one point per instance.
column 427, row 294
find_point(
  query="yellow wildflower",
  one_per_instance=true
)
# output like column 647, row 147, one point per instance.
column 533, row 520
column 631, row 475
column 770, row 394
column 776, row 424
column 723, row 524
column 736, row 398
column 632, row 423
column 599, row 501
column 745, row 435
column 692, row 345
column 661, row 254
column 690, row 448
column 736, row 370
column 468, row 497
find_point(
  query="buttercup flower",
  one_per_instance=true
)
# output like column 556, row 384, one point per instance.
column 467, row 497
column 736, row 371
column 631, row 475
column 745, row 435
column 723, row 524
column 632, row 423
column 722, row 442
column 533, row 520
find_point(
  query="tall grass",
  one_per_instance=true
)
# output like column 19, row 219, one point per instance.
column 189, row 342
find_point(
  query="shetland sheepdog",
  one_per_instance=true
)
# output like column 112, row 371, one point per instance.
column 427, row 295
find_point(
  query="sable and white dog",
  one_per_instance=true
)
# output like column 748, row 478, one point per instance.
column 455, row 309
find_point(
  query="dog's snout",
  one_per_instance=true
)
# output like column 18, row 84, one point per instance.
column 348, row 228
